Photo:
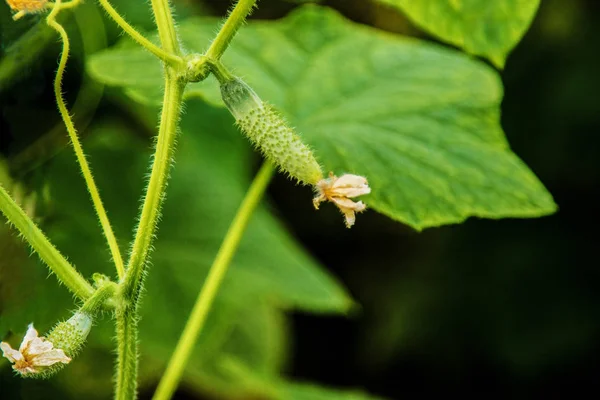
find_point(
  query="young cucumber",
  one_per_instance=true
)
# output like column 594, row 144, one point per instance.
column 269, row 132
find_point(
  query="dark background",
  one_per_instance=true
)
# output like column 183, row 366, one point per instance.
column 505, row 308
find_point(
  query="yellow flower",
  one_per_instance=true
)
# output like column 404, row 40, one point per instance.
column 28, row 6
column 34, row 355
column 339, row 191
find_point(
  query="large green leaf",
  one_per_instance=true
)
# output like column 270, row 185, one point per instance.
column 489, row 28
column 421, row 122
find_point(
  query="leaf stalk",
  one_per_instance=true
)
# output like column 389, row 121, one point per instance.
column 167, row 56
column 175, row 368
column 236, row 19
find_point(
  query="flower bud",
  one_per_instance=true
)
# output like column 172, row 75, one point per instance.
column 268, row 130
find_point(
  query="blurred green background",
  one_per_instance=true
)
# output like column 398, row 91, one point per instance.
column 503, row 308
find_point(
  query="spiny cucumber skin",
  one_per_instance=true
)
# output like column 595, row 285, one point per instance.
column 280, row 144
column 269, row 131
column 69, row 336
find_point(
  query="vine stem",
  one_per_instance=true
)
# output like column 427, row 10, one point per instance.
column 100, row 298
column 197, row 318
column 236, row 19
column 167, row 56
column 166, row 26
column 127, row 351
column 83, row 165
column 155, row 192
column 57, row 263
column 127, row 315
column 165, row 144
column 131, row 286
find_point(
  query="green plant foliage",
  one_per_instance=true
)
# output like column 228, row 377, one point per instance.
column 301, row 391
column 23, row 280
column 269, row 272
column 254, row 332
column 282, row 389
column 489, row 28
column 419, row 121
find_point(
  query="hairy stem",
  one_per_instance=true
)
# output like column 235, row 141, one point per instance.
column 58, row 264
column 166, row 26
column 155, row 191
column 172, row 100
column 100, row 299
column 131, row 285
column 205, row 299
column 83, row 165
column 236, row 19
column 127, row 316
column 167, row 56
column 127, row 350
column 220, row 71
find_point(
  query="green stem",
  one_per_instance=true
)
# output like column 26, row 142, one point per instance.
column 83, row 165
column 222, row 74
column 205, row 299
column 100, row 299
column 166, row 26
column 156, row 186
column 127, row 316
column 64, row 271
column 131, row 285
column 167, row 56
column 127, row 348
column 88, row 98
column 172, row 100
column 236, row 19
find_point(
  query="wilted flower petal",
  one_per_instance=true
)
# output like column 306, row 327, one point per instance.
column 339, row 191
column 51, row 357
column 34, row 354
column 29, row 336
column 10, row 353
